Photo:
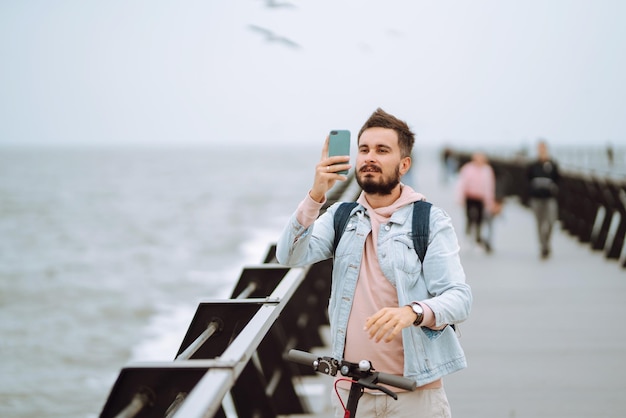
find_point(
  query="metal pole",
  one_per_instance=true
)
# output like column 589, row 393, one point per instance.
column 211, row 329
column 247, row 291
column 139, row 401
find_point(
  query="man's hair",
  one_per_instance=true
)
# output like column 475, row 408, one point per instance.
column 382, row 119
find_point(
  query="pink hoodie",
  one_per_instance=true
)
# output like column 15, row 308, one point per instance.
column 477, row 181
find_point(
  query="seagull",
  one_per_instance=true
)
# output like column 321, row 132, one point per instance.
column 273, row 4
column 272, row 37
column 395, row 33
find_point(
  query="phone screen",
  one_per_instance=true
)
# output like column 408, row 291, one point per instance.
column 339, row 144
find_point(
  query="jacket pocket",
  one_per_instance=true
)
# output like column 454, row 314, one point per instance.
column 406, row 259
column 346, row 243
column 432, row 334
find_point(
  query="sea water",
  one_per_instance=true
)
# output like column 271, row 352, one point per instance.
column 105, row 253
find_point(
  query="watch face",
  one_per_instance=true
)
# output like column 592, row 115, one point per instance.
column 419, row 311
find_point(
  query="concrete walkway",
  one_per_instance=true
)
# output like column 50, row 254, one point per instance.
column 545, row 337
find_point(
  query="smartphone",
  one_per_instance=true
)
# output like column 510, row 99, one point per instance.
column 339, row 144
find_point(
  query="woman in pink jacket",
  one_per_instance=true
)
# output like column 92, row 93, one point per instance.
column 476, row 190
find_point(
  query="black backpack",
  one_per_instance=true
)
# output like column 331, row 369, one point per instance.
column 420, row 225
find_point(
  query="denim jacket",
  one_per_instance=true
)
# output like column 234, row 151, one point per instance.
column 439, row 282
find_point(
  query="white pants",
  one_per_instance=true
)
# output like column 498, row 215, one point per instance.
column 424, row 403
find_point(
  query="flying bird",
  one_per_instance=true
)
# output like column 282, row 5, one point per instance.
column 273, row 4
column 272, row 37
column 395, row 33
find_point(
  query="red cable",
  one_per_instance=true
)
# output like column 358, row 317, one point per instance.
column 346, row 413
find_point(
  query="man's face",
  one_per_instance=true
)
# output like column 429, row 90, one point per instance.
column 379, row 164
column 542, row 151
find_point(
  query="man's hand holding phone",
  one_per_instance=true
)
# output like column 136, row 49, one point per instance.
column 333, row 165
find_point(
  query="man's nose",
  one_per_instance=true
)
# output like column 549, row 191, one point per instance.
column 370, row 156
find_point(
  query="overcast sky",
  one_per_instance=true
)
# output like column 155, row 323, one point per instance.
column 462, row 72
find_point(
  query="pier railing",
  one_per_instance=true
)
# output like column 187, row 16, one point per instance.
column 234, row 349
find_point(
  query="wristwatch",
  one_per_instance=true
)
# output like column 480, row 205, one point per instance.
column 419, row 310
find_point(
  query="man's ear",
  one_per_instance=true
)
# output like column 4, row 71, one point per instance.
column 405, row 165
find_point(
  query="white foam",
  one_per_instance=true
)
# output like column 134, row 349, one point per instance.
column 164, row 334
column 166, row 330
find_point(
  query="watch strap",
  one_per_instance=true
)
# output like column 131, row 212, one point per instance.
column 420, row 315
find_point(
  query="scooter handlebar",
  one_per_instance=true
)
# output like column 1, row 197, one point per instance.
column 308, row 359
column 302, row 357
column 396, row 381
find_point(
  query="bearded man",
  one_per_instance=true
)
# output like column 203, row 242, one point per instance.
column 386, row 305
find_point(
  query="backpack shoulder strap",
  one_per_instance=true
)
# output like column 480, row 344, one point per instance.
column 421, row 227
column 421, row 230
column 341, row 220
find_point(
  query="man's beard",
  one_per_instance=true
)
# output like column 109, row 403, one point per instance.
column 383, row 187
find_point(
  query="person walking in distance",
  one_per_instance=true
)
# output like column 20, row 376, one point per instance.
column 543, row 180
column 386, row 305
column 476, row 190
